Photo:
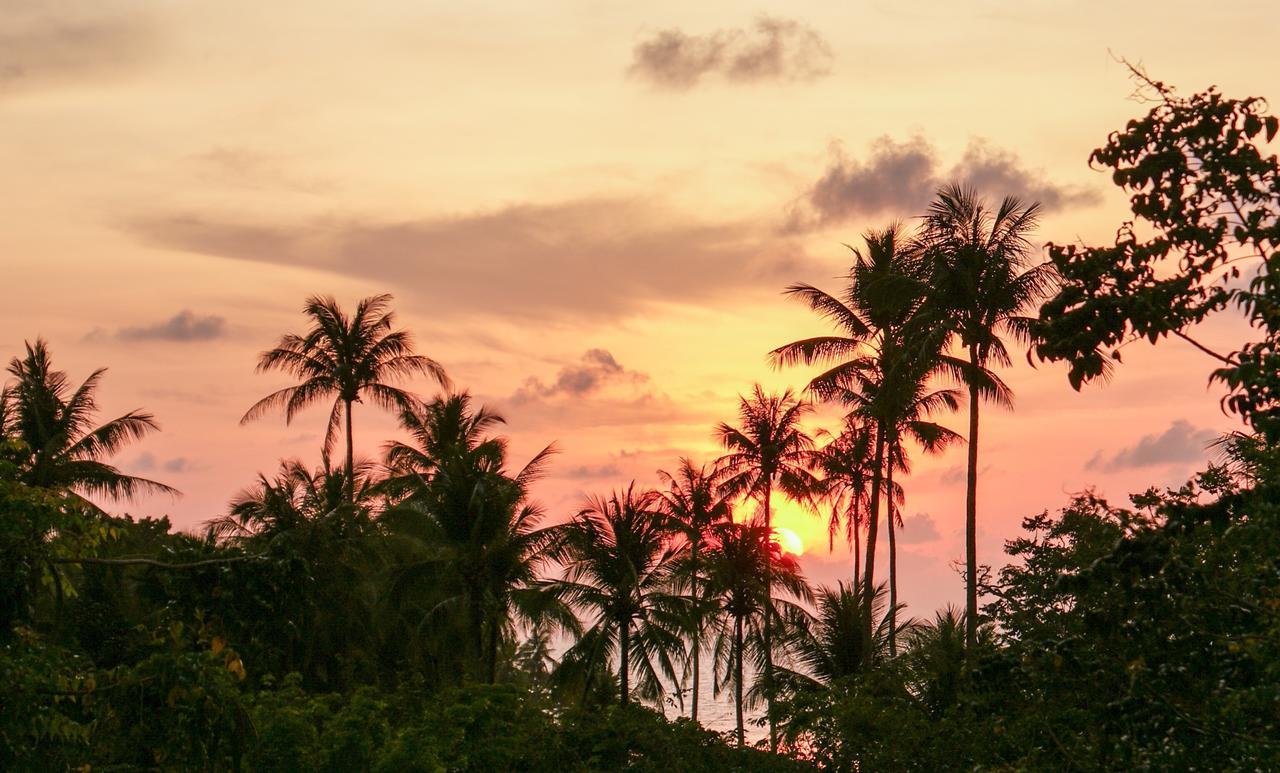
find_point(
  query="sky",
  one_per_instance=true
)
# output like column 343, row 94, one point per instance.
column 586, row 211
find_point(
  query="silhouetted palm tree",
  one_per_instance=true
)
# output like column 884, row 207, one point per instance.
column 348, row 359
column 935, row 656
column 746, row 572
column 845, row 462
column 831, row 647
column 618, row 561
column 481, row 540
column 769, row 449
column 295, row 497
column 54, row 422
column 982, row 281
column 696, row 507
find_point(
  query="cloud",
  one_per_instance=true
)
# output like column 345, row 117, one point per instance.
column 147, row 462
column 589, row 258
column 919, row 529
column 596, row 368
column 899, row 178
column 183, row 327
column 1182, row 442
column 590, row 472
column 55, row 43
column 772, row 50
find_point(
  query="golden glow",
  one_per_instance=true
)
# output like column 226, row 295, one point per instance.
column 788, row 540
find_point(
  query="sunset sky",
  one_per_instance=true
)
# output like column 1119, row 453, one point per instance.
column 585, row 210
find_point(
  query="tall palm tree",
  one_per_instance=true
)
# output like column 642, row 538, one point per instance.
column 768, row 450
column 982, row 283
column 830, row 647
column 618, row 559
column 695, row 507
column 883, row 295
column 348, row 359
column 746, row 574
column 54, row 422
column 482, row 540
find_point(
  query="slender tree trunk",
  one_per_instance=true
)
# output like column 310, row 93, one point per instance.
column 697, row 629
column 492, row 654
column 768, row 617
column 873, row 528
column 351, row 458
column 971, row 519
column 893, row 556
column 624, row 667
column 737, row 674
column 857, row 541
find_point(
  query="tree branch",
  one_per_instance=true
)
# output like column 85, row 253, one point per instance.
column 1205, row 349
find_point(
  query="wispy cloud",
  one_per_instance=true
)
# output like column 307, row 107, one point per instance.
column 51, row 43
column 185, row 326
column 772, row 49
column 147, row 462
column 899, row 178
column 589, row 258
column 595, row 369
column 919, row 529
column 1181, row 442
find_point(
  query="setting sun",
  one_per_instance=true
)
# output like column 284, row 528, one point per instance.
column 788, row 540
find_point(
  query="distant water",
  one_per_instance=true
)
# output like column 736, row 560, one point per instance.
column 717, row 712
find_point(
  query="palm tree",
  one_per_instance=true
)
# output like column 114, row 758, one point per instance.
column 831, row 646
column 618, row 559
column 481, row 540
column 54, row 422
column 295, row 497
column 746, row 571
column 348, row 359
column 769, row 449
column 873, row 316
column 982, row 282
column 935, row 658
column 695, row 507
column 845, row 463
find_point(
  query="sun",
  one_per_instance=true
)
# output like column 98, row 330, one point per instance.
column 788, row 540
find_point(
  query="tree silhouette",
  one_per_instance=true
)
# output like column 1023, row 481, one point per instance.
column 348, row 359
column 481, row 542
column 696, row 507
column 746, row 571
column 982, row 281
column 618, row 561
column 767, row 450
column 54, row 422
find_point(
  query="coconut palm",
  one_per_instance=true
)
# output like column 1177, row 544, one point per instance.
column 746, row 574
column 619, row 558
column 768, row 450
column 845, row 463
column 982, row 281
column 54, row 423
column 884, row 292
column 935, row 655
column 480, row 540
column 695, row 506
column 295, row 497
column 831, row 647
column 347, row 359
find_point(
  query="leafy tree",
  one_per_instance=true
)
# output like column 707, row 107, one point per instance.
column 696, row 507
column 54, row 422
column 769, row 449
column 982, row 283
column 348, row 359
column 1205, row 196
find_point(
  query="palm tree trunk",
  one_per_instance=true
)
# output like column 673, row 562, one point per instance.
column 857, row 541
column 893, row 558
column 624, row 665
column 971, row 519
column 492, row 654
column 697, row 629
column 737, row 677
column 873, row 528
column 768, row 617
column 351, row 458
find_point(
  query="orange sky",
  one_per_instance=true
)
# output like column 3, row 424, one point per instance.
column 538, row 181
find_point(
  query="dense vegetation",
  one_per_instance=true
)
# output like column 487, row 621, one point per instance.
column 423, row 612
